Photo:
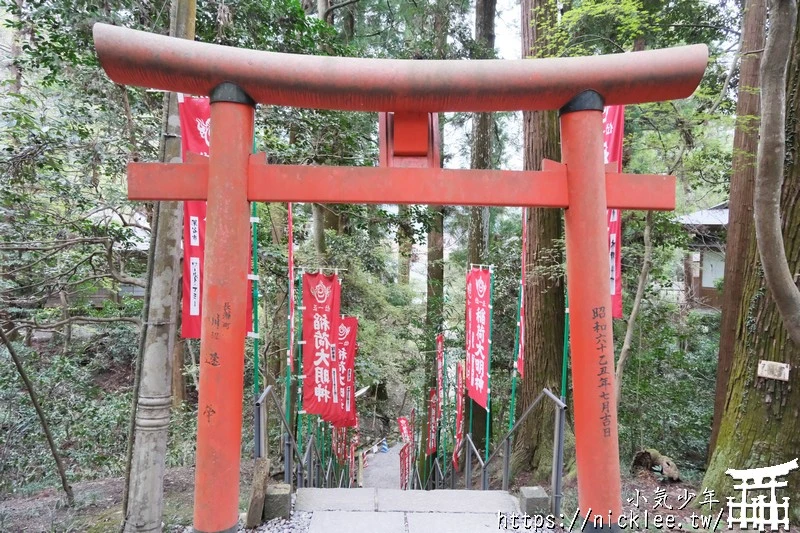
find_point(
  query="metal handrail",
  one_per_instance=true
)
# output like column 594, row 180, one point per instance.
column 474, row 449
column 328, row 470
column 506, row 441
column 268, row 392
column 545, row 392
column 307, row 471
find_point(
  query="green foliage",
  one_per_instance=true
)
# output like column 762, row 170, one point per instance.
column 668, row 389
column 86, row 396
column 66, row 140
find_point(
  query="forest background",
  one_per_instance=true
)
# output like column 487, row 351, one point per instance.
column 73, row 249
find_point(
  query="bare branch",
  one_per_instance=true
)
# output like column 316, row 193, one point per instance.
column 42, row 419
column 32, row 246
column 35, row 325
column 117, row 275
column 332, row 8
column 637, row 302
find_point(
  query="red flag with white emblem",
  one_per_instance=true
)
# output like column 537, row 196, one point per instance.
column 320, row 322
column 478, row 331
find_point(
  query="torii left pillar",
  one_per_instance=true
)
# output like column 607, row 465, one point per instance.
column 224, row 327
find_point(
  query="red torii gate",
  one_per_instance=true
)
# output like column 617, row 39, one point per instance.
column 236, row 79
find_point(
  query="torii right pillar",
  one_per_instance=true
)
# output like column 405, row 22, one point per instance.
column 596, row 436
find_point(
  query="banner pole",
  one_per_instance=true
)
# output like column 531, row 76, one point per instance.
column 514, row 370
column 289, row 320
column 443, row 400
column 565, row 358
column 300, row 373
column 489, row 367
column 471, row 402
column 256, row 365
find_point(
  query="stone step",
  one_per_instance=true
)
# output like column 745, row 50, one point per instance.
column 398, row 522
column 406, row 501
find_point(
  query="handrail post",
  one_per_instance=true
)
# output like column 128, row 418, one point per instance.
column 558, row 459
column 263, row 424
column 506, row 461
column 310, row 464
column 259, row 436
column 468, row 465
column 300, row 476
column 287, row 459
column 485, row 477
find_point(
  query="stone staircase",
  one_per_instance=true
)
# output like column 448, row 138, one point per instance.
column 376, row 510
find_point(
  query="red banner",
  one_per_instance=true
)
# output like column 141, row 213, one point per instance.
column 195, row 120
column 405, row 463
column 194, row 114
column 320, row 321
column 439, row 370
column 521, row 326
column 478, row 331
column 405, row 430
column 433, row 416
column 613, row 131
column 345, row 371
column 459, row 412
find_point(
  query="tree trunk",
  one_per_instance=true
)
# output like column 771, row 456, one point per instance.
column 741, row 231
column 434, row 311
column 318, row 214
column 405, row 245
column 481, row 158
column 275, row 349
column 178, row 357
column 178, row 380
column 145, row 488
column 760, row 425
column 782, row 281
column 434, row 305
column 62, row 295
column 544, row 294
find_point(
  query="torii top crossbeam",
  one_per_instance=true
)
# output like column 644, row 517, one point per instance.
column 143, row 59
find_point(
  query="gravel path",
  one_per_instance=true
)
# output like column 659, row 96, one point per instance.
column 383, row 469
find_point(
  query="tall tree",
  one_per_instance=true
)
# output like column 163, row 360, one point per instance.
column 144, row 497
column 481, row 158
column 405, row 243
column 760, row 426
column 544, row 293
column 769, row 174
column 740, row 205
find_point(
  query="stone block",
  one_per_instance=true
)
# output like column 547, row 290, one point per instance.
column 534, row 500
column 278, row 503
column 258, row 491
